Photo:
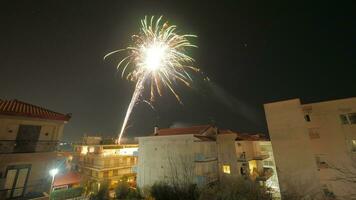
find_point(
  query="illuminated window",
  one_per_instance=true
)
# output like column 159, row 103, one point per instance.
column 84, row 150
column 353, row 147
column 91, row 149
column 226, row 169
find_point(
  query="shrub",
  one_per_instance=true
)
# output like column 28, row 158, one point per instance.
column 235, row 189
column 164, row 191
column 124, row 191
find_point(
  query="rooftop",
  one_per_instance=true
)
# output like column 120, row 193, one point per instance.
column 205, row 133
column 183, row 131
column 67, row 179
column 19, row 108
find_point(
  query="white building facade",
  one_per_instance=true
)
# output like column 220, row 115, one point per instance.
column 315, row 147
column 202, row 155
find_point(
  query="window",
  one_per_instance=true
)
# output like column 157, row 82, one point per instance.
column 226, row 169
column 321, row 161
column 348, row 118
column 353, row 146
column 268, row 163
column 344, row 119
column 352, row 118
column 307, row 118
column 313, row 133
column 16, row 180
column 106, row 174
column 26, row 139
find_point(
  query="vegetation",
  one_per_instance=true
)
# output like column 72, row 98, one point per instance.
column 163, row 191
column 235, row 189
column 102, row 194
column 230, row 189
column 66, row 193
column 124, row 192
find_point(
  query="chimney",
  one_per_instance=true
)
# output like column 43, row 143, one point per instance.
column 155, row 130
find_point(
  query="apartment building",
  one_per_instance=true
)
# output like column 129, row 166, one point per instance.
column 29, row 135
column 314, row 146
column 203, row 155
column 107, row 164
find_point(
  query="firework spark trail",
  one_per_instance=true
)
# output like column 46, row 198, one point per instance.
column 157, row 56
column 135, row 96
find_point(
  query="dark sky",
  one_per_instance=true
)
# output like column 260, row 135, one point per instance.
column 51, row 54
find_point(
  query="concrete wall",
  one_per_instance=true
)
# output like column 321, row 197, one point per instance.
column 50, row 130
column 164, row 158
column 332, row 141
column 227, row 155
column 292, row 148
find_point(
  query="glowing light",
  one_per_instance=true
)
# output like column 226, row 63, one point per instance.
column 84, row 150
column 157, row 57
column 53, row 172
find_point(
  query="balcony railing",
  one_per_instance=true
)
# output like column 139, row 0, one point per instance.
column 265, row 174
column 199, row 157
column 244, row 158
column 206, row 178
column 27, row 146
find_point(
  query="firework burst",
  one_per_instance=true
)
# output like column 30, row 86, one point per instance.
column 158, row 57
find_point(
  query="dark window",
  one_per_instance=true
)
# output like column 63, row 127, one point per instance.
column 313, row 133
column 307, row 118
column 321, row 161
column 27, row 137
column 352, row 118
column 344, row 119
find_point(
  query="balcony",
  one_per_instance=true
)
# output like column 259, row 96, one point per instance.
column 260, row 157
column 27, row 146
column 265, row 174
column 244, row 158
column 199, row 157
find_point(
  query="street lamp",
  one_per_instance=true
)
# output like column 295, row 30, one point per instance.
column 53, row 173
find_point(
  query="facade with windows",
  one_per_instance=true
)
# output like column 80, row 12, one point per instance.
column 203, row 155
column 107, row 164
column 314, row 146
column 29, row 136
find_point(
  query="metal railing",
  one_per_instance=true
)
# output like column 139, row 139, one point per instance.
column 27, row 146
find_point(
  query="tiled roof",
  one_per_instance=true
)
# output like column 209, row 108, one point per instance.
column 201, row 133
column 245, row 136
column 18, row 108
column 67, row 179
column 183, row 131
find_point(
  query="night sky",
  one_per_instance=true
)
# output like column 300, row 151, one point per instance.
column 51, row 54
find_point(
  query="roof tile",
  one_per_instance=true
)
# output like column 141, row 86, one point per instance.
column 18, row 108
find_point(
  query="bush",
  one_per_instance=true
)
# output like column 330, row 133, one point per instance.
column 235, row 189
column 164, row 191
column 101, row 195
column 124, row 191
column 66, row 193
